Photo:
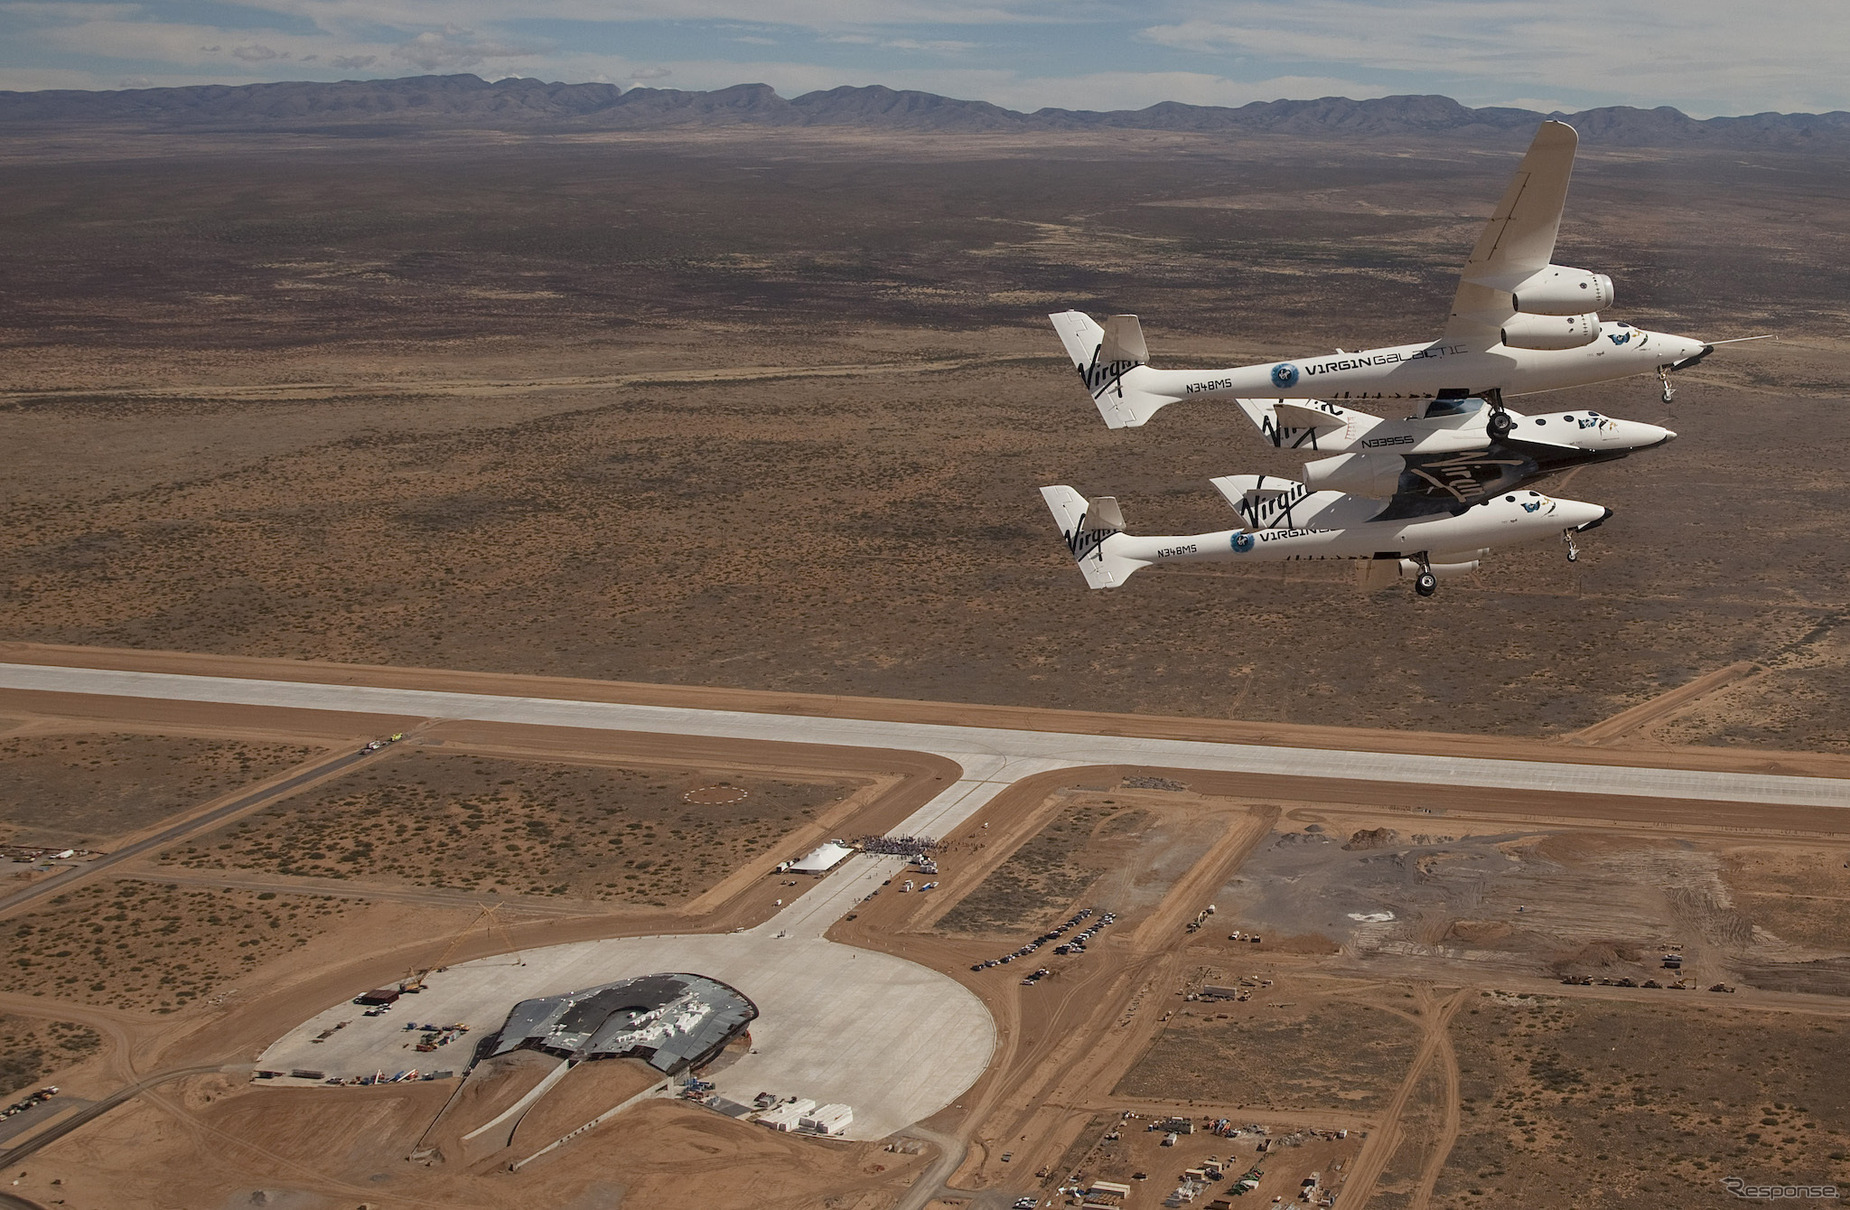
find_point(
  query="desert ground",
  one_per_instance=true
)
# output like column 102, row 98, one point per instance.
column 731, row 415
column 770, row 412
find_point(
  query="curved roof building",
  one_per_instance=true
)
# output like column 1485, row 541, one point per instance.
column 670, row 1021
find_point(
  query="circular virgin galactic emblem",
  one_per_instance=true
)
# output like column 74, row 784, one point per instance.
column 1242, row 542
column 1284, row 375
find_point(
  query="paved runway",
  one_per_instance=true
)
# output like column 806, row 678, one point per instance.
column 992, row 757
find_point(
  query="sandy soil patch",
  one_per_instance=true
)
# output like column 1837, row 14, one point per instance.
column 1290, row 1047
column 86, row 790
column 481, row 823
column 144, row 945
column 1119, row 850
column 1636, row 1105
column 31, row 1049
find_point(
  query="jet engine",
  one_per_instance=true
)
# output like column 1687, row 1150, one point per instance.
column 1558, row 290
column 1362, row 474
column 1547, row 332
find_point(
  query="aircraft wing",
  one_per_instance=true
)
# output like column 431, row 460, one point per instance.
column 1518, row 240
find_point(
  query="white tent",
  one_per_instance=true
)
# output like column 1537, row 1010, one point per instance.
column 822, row 859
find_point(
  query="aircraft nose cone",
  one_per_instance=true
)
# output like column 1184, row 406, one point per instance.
column 1670, row 435
column 1597, row 515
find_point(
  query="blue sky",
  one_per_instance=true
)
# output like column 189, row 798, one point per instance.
column 1706, row 57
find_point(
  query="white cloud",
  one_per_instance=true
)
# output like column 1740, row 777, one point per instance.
column 936, row 46
column 454, row 49
column 181, row 46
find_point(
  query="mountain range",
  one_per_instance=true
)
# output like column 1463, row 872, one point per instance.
column 463, row 102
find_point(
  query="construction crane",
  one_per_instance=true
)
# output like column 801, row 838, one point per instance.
column 486, row 919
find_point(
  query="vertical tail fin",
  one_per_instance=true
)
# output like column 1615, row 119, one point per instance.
column 1306, row 423
column 1088, row 527
column 1113, row 363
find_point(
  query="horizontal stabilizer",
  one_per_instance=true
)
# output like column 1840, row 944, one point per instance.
column 1123, row 341
column 1302, row 416
column 1105, row 514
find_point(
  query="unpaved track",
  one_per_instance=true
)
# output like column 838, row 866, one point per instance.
column 1452, row 1111
column 119, row 1027
column 501, row 387
column 1644, row 716
column 1379, row 1149
column 90, row 1113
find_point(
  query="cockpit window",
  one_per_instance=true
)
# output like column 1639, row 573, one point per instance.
column 1451, row 407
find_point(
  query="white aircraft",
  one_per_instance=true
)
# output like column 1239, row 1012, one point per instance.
column 1519, row 324
column 1445, row 455
column 1285, row 520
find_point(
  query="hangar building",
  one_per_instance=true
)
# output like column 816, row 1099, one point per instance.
column 670, row 1021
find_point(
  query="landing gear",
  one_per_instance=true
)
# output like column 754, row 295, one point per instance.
column 1573, row 551
column 1500, row 423
column 1663, row 376
column 1425, row 583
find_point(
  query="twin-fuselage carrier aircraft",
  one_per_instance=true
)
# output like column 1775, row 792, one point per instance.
column 1519, row 324
column 1427, row 496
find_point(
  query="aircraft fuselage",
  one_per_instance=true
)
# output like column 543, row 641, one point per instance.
column 1465, row 534
column 1419, row 371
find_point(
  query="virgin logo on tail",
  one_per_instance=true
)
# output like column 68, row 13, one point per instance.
column 1082, row 541
column 1265, row 512
column 1101, row 378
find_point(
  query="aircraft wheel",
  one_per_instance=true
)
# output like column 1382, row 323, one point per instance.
column 1427, row 584
column 1573, row 556
column 1499, row 425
